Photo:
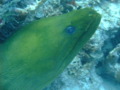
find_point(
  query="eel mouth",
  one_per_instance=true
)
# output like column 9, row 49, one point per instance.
column 90, row 30
column 87, row 34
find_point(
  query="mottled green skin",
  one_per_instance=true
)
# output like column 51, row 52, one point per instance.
column 34, row 56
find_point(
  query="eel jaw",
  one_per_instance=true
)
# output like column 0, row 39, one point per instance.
column 90, row 30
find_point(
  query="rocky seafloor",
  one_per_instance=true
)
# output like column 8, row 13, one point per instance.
column 97, row 65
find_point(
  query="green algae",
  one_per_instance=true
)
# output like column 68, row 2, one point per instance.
column 34, row 56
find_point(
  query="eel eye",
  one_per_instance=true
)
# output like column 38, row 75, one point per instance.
column 70, row 29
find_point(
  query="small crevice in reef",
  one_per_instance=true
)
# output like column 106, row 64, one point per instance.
column 109, row 44
column 108, row 68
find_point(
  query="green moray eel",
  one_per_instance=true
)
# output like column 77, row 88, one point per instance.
column 35, row 55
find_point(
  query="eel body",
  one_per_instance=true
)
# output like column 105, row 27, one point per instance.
column 35, row 55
